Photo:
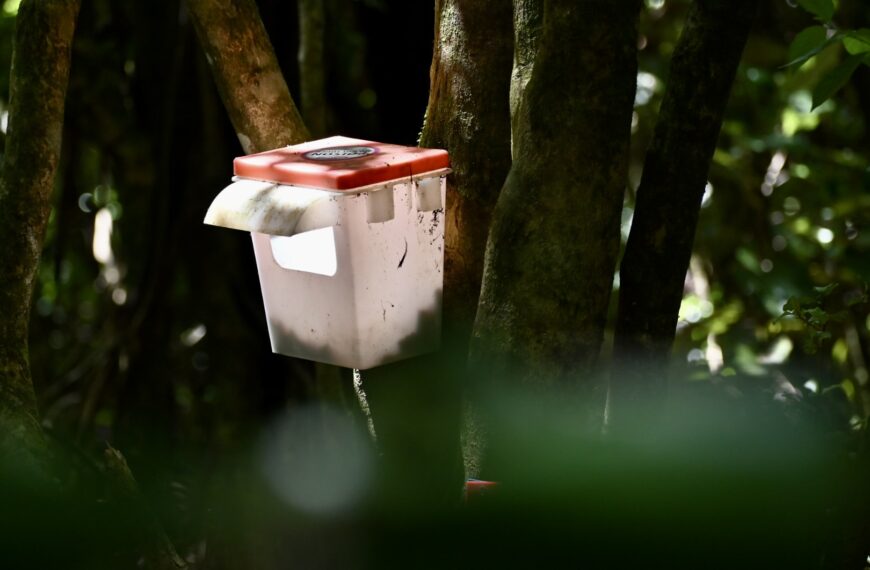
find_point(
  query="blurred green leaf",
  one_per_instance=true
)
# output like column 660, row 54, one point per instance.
column 816, row 317
column 827, row 289
column 822, row 9
column 806, row 44
column 835, row 80
column 839, row 316
column 857, row 42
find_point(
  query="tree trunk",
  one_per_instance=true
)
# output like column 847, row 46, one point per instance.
column 527, row 29
column 468, row 115
column 555, row 235
column 659, row 246
column 247, row 74
column 40, row 70
column 312, row 76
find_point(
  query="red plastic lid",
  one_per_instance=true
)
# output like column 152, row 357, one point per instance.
column 475, row 488
column 340, row 163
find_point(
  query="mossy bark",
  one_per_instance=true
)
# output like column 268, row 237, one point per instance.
column 555, row 236
column 528, row 17
column 659, row 246
column 40, row 72
column 247, row 74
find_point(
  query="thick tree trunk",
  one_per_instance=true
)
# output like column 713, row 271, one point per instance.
column 468, row 115
column 555, row 235
column 247, row 74
column 659, row 246
column 40, row 70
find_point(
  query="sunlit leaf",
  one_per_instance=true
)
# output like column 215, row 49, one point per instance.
column 848, row 388
column 840, row 351
column 857, row 42
column 835, row 80
column 822, row 9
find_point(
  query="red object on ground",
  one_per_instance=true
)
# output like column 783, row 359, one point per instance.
column 475, row 488
column 340, row 163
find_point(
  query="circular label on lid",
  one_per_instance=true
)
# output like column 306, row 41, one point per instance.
column 339, row 153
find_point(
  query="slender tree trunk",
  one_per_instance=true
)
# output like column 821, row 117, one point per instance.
column 555, row 235
column 659, row 246
column 312, row 75
column 246, row 71
column 468, row 115
column 40, row 70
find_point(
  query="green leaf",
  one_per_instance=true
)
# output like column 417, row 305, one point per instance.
column 791, row 306
column 806, row 44
column 812, row 35
column 826, row 290
column 835, row 80
column 822, row 9
column 857, row 42
column 816, row 317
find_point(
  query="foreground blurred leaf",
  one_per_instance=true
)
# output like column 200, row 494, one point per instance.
column 827, row 289
column 857, row 42
column 822, row 9
column 835, row 80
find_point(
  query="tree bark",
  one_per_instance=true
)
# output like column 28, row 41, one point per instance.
column 247, row 75
column 528, row 15
column 40, row 72
column 555, row 235
column 659, row 246
column 468, row 115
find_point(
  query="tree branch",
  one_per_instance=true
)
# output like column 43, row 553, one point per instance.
column 659, row 246
column 247, row 74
